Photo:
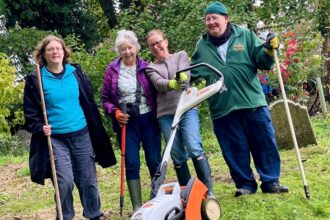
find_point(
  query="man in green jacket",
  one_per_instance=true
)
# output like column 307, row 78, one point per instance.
column 241, row 118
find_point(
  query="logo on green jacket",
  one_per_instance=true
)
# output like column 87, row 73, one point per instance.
column 238, row 47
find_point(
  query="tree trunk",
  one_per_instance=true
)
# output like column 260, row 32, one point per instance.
column 124, row 4
column 110, row 12
column 326, row 67
column 325, row 31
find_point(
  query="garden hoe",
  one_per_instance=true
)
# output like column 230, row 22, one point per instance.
column 122, row 164
column 50, row 147
column 170, row 201
column 293, row 134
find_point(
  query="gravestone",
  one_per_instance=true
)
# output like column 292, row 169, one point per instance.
column 24, row 137
column 301, row 123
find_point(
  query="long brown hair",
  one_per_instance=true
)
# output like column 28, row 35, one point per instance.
column 38, row 53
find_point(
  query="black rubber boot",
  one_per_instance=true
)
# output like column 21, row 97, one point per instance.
column 203, row 172
column 242, row 192
column 183, row 174
column 276, row 188
column 134, row 188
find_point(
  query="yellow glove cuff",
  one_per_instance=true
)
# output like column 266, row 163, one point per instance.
column 274, row 42
column 183, row 76
column 173, row 84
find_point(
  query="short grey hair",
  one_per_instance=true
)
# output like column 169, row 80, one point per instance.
column 125, row 35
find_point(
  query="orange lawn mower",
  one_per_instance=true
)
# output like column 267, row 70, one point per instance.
column 170, row 201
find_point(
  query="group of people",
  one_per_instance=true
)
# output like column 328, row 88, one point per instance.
column 150, row 92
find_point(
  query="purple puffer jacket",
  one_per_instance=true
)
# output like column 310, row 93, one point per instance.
column 110, row 92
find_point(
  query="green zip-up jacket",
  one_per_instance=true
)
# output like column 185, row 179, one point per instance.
column 245, row 55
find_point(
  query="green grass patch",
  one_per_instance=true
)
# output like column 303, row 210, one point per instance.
column 5, row 160
column 24, row 199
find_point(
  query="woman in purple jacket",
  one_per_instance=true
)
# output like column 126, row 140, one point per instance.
column 125, row 82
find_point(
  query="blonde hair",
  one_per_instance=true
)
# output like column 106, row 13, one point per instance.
column 154, row 32
column 38, row 53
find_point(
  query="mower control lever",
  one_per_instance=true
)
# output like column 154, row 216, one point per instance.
column 214, row 70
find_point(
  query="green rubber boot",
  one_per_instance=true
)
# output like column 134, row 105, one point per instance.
column 134, row 188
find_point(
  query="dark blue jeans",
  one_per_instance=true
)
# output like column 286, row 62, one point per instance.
column 188, row 141
column 244, row 132
column 142, row 129
column 74, row 160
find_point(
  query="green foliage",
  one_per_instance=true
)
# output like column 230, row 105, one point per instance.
column 20, row 51
column 323, row 17
column 4, row 199
column 305, row 62
column 95, row 9
column 289, row 206
column 243, row 13
column 308, row 59
column 10, row 145
column 2, row 7
column 283, row 13
column 181, row 21
column 25, row 172
column 10, row 96
column 74, row 43
column 63, row 17
column 109, row 9
column 10, row 159
column 94, row 64
column 321, row 127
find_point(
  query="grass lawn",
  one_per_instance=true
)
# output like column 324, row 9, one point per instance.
column 22, row 199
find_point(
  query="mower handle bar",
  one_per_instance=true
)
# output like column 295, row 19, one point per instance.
column 214, row 70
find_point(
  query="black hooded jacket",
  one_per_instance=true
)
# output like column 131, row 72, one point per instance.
column 39, row 154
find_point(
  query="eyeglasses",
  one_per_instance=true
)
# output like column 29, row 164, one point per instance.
column 157, row 43
column 52, row 49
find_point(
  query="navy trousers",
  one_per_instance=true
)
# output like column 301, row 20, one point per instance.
column 75, row 164
column 244, row 132
column 142, row 129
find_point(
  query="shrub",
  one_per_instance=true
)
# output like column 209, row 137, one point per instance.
column 11, row 93
column 10, row 145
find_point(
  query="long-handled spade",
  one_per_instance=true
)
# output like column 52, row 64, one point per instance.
column 50, row 148
column 293, row 134
column 122, row 165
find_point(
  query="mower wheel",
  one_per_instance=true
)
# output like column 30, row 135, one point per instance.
column 211, row 209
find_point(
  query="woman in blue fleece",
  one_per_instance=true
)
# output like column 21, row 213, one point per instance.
column 77, row 134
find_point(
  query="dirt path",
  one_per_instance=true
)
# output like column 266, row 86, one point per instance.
column 8, row 174
column 13, row 184
column 15, row 187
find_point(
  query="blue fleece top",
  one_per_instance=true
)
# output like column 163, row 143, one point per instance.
column 64, row 112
